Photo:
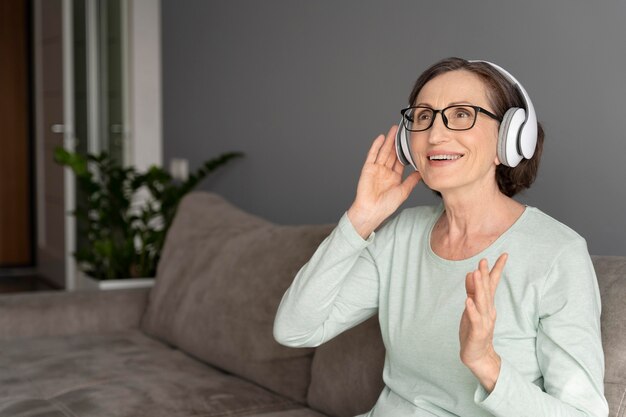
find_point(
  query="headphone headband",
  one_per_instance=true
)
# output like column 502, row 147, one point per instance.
column 527, row 140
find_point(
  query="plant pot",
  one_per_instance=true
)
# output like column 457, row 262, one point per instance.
column 86, row 282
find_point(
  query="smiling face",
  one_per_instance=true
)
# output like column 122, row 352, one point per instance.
column 456, row 160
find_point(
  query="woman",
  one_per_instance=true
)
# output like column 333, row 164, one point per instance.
column 427, row 271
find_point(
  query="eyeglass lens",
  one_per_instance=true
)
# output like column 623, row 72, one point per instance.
column 454, row 117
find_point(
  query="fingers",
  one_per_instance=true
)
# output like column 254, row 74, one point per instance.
column 373, row 152
column 496, row 272
column 383, row 151
column 387, row 153
column 470, row 289
column 398, row 167
column 410, row 182
column 474, row 315
column 481, row 298
column 483, row 267
column 392, row 157
column 472, row 311
column 481, row 285
column 479, row 317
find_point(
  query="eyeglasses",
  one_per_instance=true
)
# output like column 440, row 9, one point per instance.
column 457, row 117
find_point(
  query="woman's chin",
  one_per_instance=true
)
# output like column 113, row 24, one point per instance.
column 439, row 185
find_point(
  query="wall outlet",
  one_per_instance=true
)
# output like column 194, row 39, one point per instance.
column 179, row 169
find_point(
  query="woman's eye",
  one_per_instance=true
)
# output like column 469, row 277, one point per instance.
column 423, row 116
column 462, row 113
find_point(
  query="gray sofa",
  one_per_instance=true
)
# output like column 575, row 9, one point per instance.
column 200, row 342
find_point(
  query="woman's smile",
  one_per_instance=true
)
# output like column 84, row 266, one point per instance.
column 443, row 158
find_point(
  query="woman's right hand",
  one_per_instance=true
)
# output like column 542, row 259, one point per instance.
column 381, row 190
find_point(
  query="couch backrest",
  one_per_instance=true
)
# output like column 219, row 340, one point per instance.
column 347, row 371
column 611, row 272
column 219, row 282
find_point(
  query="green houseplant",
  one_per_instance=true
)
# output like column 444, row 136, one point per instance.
column 121, row 238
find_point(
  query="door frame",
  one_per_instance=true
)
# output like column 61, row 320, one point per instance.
column 143, row 144
column 69, row 142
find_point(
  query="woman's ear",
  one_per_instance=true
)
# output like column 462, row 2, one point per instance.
column 497, row 159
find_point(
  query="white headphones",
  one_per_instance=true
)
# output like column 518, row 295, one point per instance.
column 517, row 137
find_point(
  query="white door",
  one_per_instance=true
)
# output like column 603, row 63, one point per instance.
column 85, row 76
column 54, row 126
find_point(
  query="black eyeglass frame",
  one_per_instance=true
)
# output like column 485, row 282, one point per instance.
column 477, row 109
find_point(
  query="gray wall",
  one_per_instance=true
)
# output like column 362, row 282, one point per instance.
column 303, row 88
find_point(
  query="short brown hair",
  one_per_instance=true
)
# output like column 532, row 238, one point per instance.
column 502, row 95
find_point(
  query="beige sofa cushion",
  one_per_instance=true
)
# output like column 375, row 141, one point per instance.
column 347, row 371
column 219, row 282
column 123, row 373
column 611, row 272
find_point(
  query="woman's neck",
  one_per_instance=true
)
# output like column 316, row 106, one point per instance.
column 472, row 220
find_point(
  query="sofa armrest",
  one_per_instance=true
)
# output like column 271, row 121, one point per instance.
column 42, row 314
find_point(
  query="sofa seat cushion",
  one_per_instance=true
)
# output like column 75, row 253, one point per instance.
column 220, row 280
column 123, row 374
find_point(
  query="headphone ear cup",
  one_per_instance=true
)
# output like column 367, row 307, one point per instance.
column 399, row 138
column 508, row 137
column 403, row 148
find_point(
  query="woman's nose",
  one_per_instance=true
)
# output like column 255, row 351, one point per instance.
column 438, row 132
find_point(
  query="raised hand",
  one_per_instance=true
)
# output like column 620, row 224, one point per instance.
column 380, row 190
column 478, row 322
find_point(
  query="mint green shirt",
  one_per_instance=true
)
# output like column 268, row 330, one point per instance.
column 547, row 329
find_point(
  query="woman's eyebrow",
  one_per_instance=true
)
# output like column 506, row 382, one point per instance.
column 454, row 103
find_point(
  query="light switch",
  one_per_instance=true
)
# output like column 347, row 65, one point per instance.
column 179, row 168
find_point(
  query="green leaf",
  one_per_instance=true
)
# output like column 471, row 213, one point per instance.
column 118, row 239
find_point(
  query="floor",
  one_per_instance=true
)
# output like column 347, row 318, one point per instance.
column 22, row 280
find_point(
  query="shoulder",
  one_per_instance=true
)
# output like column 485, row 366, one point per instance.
column 409, row 218
column 405, row 224
column 421, row 212
column 542, row 229
column 540, row 243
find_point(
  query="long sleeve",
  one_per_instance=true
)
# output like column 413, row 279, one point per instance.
column 336, row 290
column 569, row 349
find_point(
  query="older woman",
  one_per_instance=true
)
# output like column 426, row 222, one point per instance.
column 427, row 270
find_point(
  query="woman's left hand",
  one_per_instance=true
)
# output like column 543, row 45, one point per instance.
column 478, row 323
